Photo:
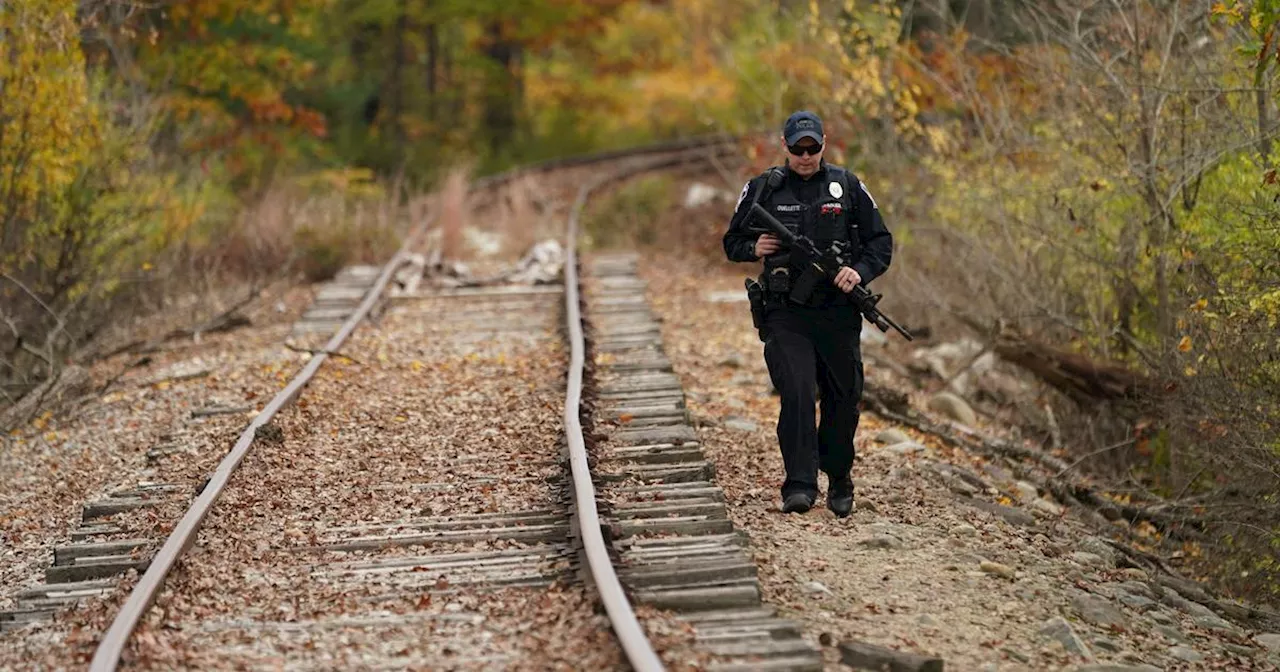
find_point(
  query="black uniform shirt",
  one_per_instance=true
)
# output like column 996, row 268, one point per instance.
column 875, row 240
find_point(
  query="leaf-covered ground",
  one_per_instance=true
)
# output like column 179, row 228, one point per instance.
column 918, row 566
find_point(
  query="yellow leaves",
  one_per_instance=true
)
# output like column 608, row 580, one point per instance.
column 112, row 397
column 1184, row 345
column 1233, row 13
column 43, row 420
column 1268, row 305
column 415, row 366
column 51, row 125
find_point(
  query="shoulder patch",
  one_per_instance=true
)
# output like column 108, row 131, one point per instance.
column 741, row 196
column 868, row 193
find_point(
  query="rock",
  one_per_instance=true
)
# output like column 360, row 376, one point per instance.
column 732, row 362
column 1186, row 654
column 1059, row 630
column 1097, row 610
column 1269, row 640
column 1238, row 649
column 964, row 530
column 1136, row 602
column 1046, row 507
column 1136, row 588
column 873, row 338
column 1162, row 617
column 1017, row 655
column 997, row 569
column 740, row 424
column 1011, row 515
column 1026, row 491
column 892, row 436
column 906, row 448
column 927, row 621
column 1171, row 633
column 867, row 505
column 817, row 588
column 1099, row 546
column 1104, row 644
column 1216, row 623
column 1134, row 574
column 997, row 472
column 953, row 407
column 880, row 541
column 961, row 487
column 1087, row 559
column 1175, row 599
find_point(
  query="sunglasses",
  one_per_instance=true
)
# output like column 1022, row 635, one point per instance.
column 797, row 150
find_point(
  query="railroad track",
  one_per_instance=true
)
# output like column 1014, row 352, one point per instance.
column 428, row 502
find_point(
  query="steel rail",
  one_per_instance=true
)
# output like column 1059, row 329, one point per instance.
column 626, row 627
column 623, row 618
column 107, row 656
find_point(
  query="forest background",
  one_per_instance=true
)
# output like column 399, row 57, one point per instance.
column 1098, row 176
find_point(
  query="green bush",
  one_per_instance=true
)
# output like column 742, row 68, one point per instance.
column 631, row 215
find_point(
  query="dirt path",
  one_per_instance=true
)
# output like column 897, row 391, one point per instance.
column 946, row 554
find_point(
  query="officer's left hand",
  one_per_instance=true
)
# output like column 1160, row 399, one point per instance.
column 847, row 279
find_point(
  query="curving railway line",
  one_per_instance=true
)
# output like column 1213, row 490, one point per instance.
column 423, row 495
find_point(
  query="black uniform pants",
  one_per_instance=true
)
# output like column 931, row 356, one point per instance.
column 808, row 348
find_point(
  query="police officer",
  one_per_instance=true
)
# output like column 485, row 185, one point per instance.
column 816, row 344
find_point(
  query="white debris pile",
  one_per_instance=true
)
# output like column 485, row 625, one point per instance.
column 541, row 265
column 700, row 194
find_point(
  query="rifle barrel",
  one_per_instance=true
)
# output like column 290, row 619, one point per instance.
column 867, row 308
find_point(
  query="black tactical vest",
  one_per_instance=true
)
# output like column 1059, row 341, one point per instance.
column 828, row 219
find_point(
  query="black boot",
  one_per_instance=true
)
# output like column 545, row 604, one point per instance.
column 840, row 497
column 797, row 502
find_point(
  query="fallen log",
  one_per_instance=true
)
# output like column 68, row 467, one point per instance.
column 1085, row 380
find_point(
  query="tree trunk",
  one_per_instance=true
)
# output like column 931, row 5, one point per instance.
column 503, row 95
column 395, row 87
column 433, row 51
column 1262, row 95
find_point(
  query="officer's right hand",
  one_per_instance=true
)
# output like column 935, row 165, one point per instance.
column 767, row 244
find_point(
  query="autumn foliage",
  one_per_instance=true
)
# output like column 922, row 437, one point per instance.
column 1099, row 176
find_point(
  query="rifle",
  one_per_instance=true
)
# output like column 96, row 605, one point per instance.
column 827, row 265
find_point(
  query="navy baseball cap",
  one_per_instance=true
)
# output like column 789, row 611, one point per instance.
column 802, row 124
